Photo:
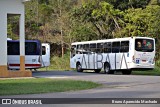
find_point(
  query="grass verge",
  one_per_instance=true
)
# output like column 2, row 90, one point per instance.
column 154, row 72
column 42, row 85
column 59, row 63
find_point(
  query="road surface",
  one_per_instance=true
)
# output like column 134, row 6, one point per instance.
column 114, row 86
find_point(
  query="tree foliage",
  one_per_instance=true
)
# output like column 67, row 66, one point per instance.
column 126, row 4
column 65, row 21
column 102, row 17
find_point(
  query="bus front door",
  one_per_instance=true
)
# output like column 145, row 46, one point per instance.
column 45, row 54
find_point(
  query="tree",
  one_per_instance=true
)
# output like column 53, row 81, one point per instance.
column 49, row 20
column 43, row 2
column 126, row 4
column 103, row 17
column 141, row 22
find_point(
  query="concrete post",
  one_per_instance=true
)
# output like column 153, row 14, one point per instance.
column 3, row 42
column 12, row 7
column 22, row 42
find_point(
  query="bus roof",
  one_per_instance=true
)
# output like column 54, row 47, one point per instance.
column 25, row 41
column 108, row 40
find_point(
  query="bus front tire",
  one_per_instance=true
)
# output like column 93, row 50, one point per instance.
column 107, row 69
column 79, row 67
column 127, row 72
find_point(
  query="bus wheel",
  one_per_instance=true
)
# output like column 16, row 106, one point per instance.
column 106, row 68
column 126, row 72
column 79, row 67
column 97, row 70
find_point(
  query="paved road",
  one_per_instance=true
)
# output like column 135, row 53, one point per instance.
column 114, row 86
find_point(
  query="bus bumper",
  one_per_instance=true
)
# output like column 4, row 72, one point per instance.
column 142, row 67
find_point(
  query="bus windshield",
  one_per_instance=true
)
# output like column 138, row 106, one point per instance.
column 144, row 45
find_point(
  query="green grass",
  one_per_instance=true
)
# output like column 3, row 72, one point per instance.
column 154, row 72
column 42, row 85
column 59, row 63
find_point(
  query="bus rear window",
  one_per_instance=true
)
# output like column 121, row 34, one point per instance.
column 144, row 45
column 30, row 48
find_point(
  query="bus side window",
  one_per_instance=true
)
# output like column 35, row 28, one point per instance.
column 79, row 49
column 78, row 52
column 86, row 48
column 13, row 48
column 124, row 46
column 99, row 48
column 73, row 50
column 107, row 47
column 31, row 48
column 115, row 47
column 93, row 47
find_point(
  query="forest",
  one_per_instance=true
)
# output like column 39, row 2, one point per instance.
column 61, row 22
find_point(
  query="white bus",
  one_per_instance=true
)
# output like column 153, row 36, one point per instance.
column 124, row 54
column 37, row 54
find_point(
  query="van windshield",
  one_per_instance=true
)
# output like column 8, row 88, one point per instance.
column 144, row 45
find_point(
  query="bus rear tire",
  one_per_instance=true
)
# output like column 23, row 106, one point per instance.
column 107, row 69
column 127, row 72
column 97, row 70
column 79, row 67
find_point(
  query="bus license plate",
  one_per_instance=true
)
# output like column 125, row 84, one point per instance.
column 143, row 60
